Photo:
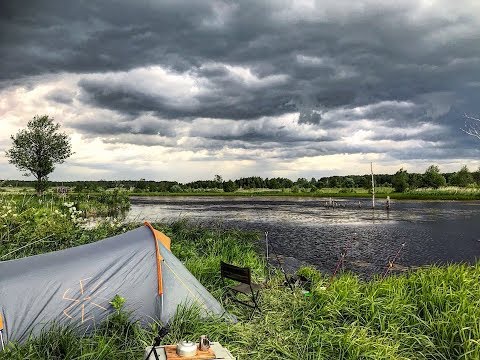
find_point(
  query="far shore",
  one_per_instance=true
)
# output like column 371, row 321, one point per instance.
column 446, row 193
column 393, row 196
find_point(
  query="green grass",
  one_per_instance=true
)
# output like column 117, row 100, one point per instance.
column 430, row 313
column 445, row 193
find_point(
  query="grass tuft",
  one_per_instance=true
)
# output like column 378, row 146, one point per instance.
column 430, row 313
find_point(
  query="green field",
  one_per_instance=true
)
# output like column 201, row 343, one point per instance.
column 431, row 313
column 443, row 193
column 446, row 193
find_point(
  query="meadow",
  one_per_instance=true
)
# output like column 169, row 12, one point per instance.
column 430, row 313
column 381, row 192
column 446, row 193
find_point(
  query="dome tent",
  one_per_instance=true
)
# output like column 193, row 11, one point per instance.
column 74, row 286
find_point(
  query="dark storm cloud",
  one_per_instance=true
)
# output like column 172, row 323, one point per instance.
column 128, row 126
column 401, row 65
column 225, row 96
column 61, row 96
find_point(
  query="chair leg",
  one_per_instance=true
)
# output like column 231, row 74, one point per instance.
column 256, row 307
column 254, row 298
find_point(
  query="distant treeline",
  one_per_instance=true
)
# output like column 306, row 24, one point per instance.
column 400, row 181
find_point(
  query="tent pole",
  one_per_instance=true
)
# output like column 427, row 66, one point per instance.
column 1, row 332
column 161, row 305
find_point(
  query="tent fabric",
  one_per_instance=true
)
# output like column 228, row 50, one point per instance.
column 74, row 286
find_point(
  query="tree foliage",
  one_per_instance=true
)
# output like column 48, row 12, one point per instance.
column 400, row 180
column 229, row 186
column 462, row 178
column 38, row 148
column 433, row 178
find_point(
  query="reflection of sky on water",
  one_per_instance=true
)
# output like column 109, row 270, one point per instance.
column 304, row 228
column 312, row 212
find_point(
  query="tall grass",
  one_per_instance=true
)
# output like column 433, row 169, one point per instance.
column 431, row 313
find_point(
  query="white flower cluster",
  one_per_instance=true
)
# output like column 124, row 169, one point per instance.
column 114, row 222
column 59, row 213
column 75, row 214
column 7, row 210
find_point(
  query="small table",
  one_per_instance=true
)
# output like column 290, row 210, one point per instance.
column 218, row 350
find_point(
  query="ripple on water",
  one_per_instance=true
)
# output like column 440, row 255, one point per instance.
column 304, row 229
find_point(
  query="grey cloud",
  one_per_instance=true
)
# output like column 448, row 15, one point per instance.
column 128, row 126
column 309, row 117
column 335, row 64
column 224, row 97
column 141, row 139
column 368, row 55
column 61, row 96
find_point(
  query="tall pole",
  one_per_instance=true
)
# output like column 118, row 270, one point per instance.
column 373, row 187
column 266, row 244
column 266, row 247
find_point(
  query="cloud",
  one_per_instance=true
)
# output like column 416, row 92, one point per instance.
column 61, row 96
column 217, row 80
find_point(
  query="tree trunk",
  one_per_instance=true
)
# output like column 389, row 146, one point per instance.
column 39, row 186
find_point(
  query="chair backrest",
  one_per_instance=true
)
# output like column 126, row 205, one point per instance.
column 235, row 273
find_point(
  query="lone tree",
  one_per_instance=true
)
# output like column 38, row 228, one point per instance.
column 38, row 148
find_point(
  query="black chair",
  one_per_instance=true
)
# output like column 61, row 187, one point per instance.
column 245, row 286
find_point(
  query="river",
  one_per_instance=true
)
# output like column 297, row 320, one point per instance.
column 305, row 231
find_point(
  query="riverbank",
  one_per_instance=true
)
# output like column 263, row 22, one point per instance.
column 433, row 195
column 444, row 193
column 431, row 313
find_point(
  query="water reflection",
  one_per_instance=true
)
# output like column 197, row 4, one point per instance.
column 305, row 230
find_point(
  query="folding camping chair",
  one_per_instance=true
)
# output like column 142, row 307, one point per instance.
column 245, row 286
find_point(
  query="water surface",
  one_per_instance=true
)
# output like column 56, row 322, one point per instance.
column 305, row 231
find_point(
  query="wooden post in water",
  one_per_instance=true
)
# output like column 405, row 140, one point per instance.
column 373, row 187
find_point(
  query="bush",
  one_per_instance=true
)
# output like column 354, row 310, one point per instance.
column 432, row 178
column 400, row 181
column 229, row 186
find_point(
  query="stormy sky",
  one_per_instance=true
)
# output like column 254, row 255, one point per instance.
column 184, row 90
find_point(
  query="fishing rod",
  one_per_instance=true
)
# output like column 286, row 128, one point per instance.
column 341, row 260
column 390, row 263
column 278, row 260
